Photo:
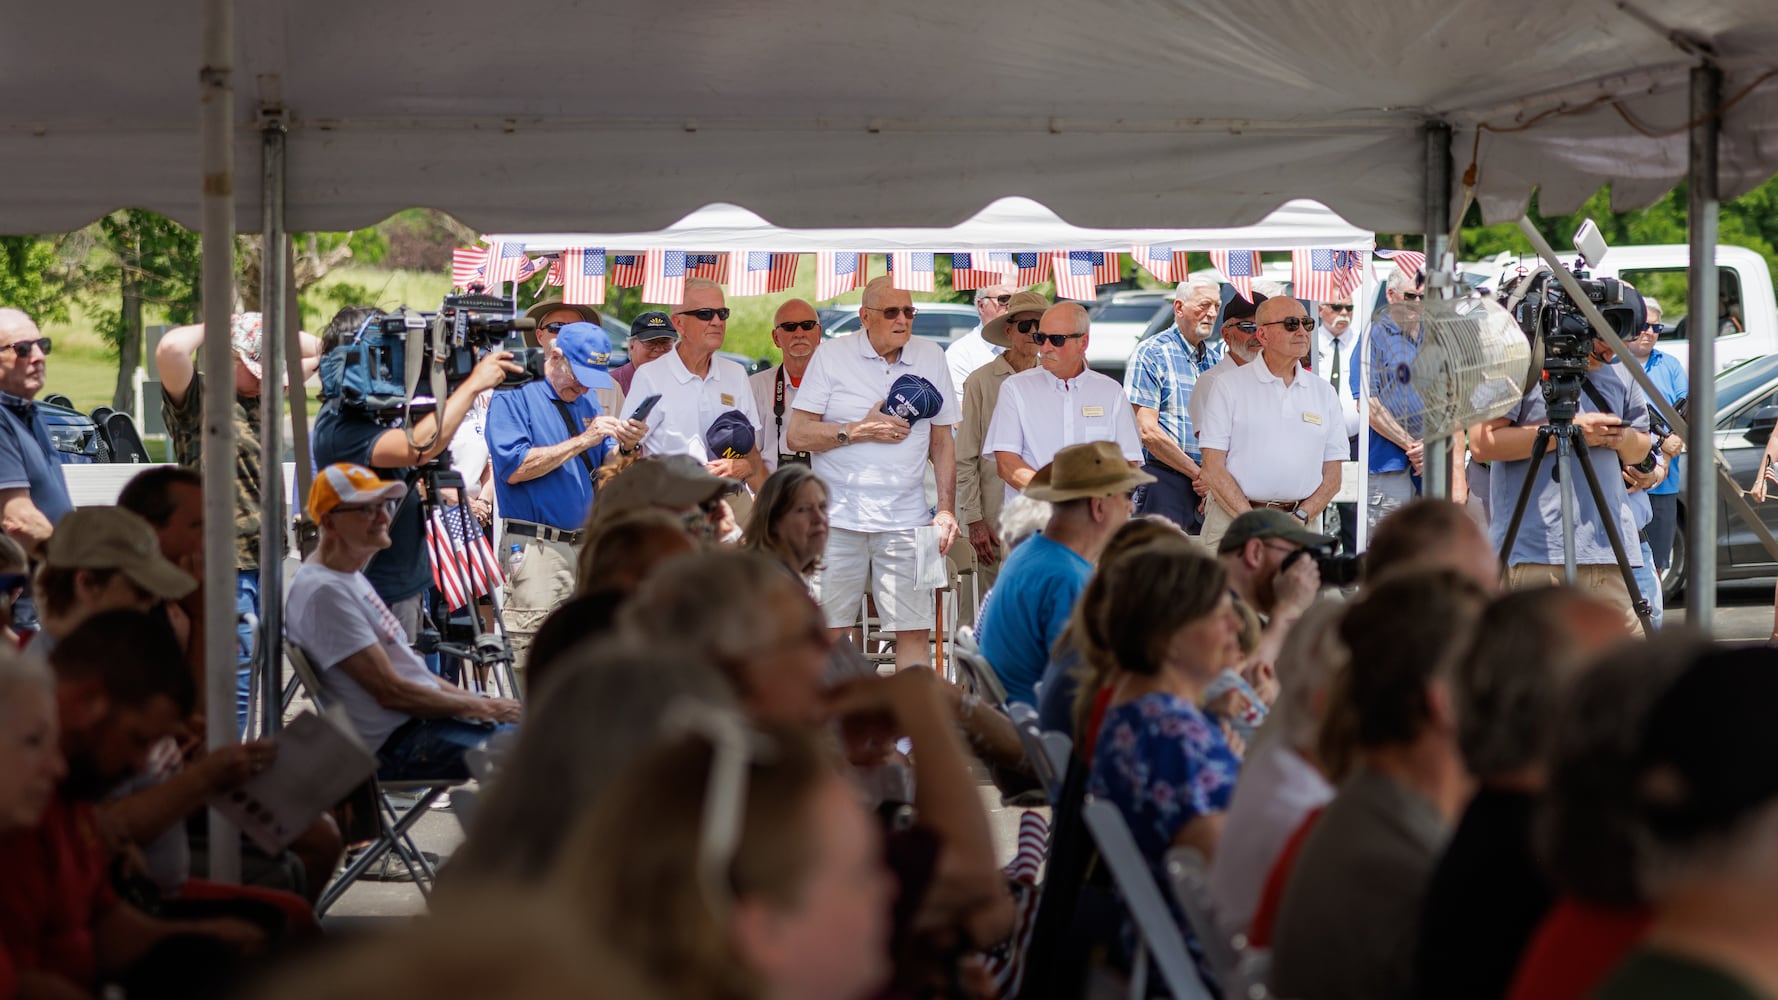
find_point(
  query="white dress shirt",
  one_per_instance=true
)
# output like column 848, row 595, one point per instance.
column 1194, row 406
column 688, row 403
column 1325, row 342
column 967, row 353
column 1039, row 414
column 1277, row 789
column 771, row 422
column 1276, row 435
column 874, row 486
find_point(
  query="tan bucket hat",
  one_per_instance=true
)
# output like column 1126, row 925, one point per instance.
column 1080, row 471
column 994, row 330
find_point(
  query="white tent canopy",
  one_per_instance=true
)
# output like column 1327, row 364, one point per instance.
column 623, row 115
column 1007, row 224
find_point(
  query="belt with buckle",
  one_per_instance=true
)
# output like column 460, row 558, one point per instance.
column 543, row 531
column 1284, row 505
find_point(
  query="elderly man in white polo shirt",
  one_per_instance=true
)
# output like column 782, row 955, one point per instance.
column 874, row 464
column 1273, row 434
column 696, row 387
column 1058, row 403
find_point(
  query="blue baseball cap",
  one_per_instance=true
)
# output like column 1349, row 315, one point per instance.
column 730, row 435
column 588, row 349
column 913, row 398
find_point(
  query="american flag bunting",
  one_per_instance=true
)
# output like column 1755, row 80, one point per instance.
column 1411, row 262
column 461, row 572
column 583, row 276
column 1165, row 263
column 626, row 269
column 1325, row 275
column 466, row 266
column 1031, row 268
column 663, row 277
column 1240, row 267
column 714, row 266
column 979, row 269
column 912, row 270
column 1079, row 273
column 837, row 272
column 760, row 272
column 504, row 262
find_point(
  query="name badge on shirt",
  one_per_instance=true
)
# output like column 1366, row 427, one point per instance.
column 1092, row 411
column 728, row 400
column 1311, row 417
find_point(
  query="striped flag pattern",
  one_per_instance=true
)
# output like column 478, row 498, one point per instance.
column 714, row 266
column 761, row 272
column 912, row 270
column 837, row 272
column 626, row 269
column 1032, row 268
column 1079, row 273
column 466, row 266
column 1411, row 262
column 980, row 269
column 1240, row 267
column 1165, row 263
column 530, row 266
column 583, row 276
column 1325, row 275
column 461, row 572
column 504, row 262
column 1033, row 844
column 663, row 277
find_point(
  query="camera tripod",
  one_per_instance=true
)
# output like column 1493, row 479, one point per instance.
column 485, row 650
column 1561, row 399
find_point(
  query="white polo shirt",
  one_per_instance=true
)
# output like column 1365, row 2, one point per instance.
column 1194, row 407
column 1039, row 414
column 874, row 486
column 771, row 422
column 1276, row 435
column 688, row 403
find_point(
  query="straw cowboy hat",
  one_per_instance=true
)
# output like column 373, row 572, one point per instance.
column 1080, row 471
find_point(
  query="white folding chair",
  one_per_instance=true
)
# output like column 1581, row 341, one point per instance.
column 1240, row 968
column 394, row 826
column 1047, row 752
column 977, row 673
column 1158, row 936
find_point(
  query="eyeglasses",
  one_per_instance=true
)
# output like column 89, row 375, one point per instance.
column 705, row 314
column 1413, row 296
column 1055, row 339
column 803, row 324
column 1292, row 324
column 387, row 507
column 895, row 312
column 23, row 348
column 555, row 327
column 1026, row 325
column 1656, row 327
column 1339, row 307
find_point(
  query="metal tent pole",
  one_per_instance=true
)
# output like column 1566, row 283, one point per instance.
column 1436, row 460
column 1701, row 307
column 216, row 89
column 272, row 518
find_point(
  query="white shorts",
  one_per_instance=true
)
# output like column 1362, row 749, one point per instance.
column 888, row 560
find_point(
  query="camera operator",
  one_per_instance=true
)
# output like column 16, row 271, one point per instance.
column 400, row 573
column 1613, row 417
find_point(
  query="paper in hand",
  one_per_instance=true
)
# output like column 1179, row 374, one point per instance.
column 320, row 759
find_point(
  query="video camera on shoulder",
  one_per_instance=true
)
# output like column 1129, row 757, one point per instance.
column 372, row 371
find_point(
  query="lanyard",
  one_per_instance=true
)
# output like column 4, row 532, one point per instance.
column 778, row 417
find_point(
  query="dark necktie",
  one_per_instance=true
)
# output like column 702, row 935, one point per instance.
column 1336, row 365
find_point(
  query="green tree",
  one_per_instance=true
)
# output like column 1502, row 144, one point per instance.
column 143, row 259
column 28, row 280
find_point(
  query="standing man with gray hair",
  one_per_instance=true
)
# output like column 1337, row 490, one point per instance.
column 874, row 462
column 1159, row 383
column 972, row 350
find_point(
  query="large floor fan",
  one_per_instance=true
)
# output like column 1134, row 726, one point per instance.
column 1453, row 363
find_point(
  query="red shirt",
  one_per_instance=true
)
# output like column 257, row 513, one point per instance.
column 1574, row 948
column 1271, row 897
column 54, row 889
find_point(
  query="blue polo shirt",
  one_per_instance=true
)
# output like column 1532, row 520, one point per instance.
column 1390, row 360
column 525, row 418
column 28, row 458
column 1028, row 609
column 1668, row 377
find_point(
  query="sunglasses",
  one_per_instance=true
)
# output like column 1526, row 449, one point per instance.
column 705, row 314
column 24, row 347
column 1413, row 296
column 1055, row 339
column 1339, row 307
column 555, row 327
column 802, row 324
column 895, row 312
column 1245, row 326
column 1656, row 327
column 1026, row 325
column 1002, row 299
column 1292, row 324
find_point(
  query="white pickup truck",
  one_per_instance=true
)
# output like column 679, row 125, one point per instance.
column 1748, row 325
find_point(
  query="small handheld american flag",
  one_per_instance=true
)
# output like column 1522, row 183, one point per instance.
column 461, row 571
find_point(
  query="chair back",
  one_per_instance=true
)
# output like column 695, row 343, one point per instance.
column 304, row 668
column 1047, row 752
column 976, row 672
column 1155, row 927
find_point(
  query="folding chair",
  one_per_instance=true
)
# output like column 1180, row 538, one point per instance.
column 975, row 672
column 394, row 826
column 1047, row 752
column 1157, row 934
column 1242, row 970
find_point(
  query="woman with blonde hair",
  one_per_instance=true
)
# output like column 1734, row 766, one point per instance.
column 789, row 519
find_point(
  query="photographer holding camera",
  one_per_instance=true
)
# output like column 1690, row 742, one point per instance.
column 1612, row 416
column 355, row 435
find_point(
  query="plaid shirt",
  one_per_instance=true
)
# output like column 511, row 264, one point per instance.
column 1161, row 377
column 185, row 424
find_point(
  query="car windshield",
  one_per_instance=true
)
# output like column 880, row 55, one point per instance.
column 1735, row 385
column 1125, row 312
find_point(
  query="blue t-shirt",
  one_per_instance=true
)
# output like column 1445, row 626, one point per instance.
column 1540, row 537
column 403, row 569
column 28, row 458
column 1389, row 363
column 525, row 418
column 1029, row 608
column 1668, row 377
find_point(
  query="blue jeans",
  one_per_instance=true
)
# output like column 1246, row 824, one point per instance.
column 425, row 749
column 1648, row 581
column 246, row 619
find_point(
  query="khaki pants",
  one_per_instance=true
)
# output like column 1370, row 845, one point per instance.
column 1216, row 524
column 539, row 578
column 1602, row 581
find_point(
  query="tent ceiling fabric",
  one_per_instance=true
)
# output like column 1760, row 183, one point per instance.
column 624, row 115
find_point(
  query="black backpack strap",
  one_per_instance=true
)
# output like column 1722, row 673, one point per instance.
column 568, row 422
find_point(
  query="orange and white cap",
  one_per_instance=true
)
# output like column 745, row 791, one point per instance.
column 344, row 482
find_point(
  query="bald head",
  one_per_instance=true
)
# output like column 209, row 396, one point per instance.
column 1278, row 307
column 21, row 376
column 878, row 289
column 793, row 311
column 15, row 320
column 1066, row 317
column 796, row 331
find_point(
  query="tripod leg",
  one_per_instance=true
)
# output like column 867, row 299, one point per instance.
column 1565, row 483
column 1539, row 449
column 1637, row 602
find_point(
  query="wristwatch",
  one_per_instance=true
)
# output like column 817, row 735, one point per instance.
column 844, row 438
column 1300, row 515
